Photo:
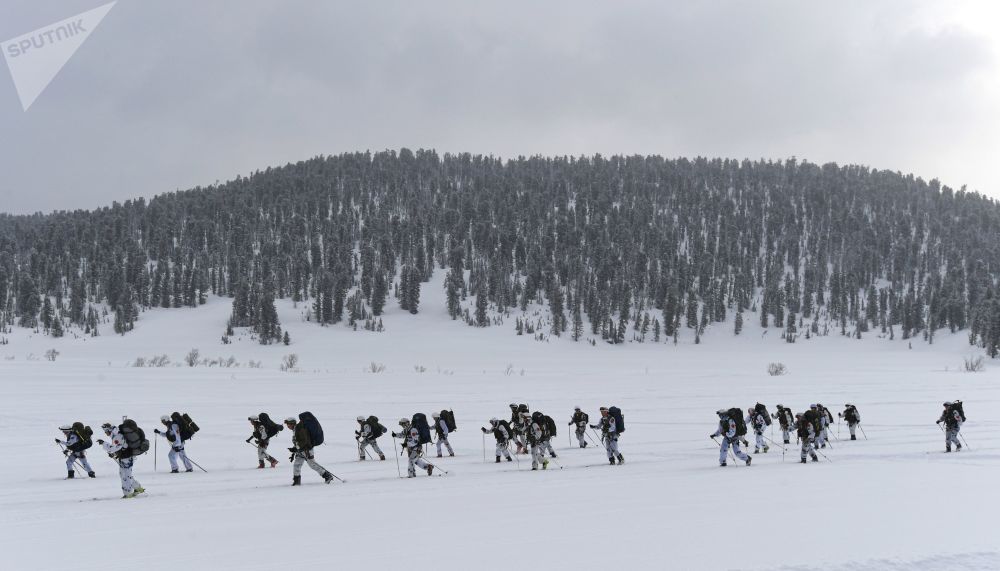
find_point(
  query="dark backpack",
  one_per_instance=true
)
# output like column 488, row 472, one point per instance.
column 761, row 409
column 851, row 414
column 812, row 417
column 187, row 426
column 449, row 420
column 377, row 429
column 135, row 439
column 957, row 405
column 736, row 415
column 522, row 408
column 550, row 426
column 271, row 428
column 419, row 421
column 84, row 433
column 616, row 413
column 506, row 425
column 313, row 427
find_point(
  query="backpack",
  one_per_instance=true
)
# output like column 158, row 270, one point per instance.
column 812, row 418
column 522, row 408
column 271, row 428
column 187, row 426
column 761, row 409
column 957, row 405
column 419, row 422
column 449, row 420
column 550, row 426
column 736, row 415
column 506, row 426
column 829, row 415
column 851, row 414
column 84, row 433
column 377, row 429
column 134, row 437
column 312, row 427
column 616, row 413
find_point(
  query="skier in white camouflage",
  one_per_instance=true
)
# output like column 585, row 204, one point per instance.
column 727, row 429
column 262, row 440
column 365, row 435
column 74, row 449
column 580, row 419
column 173, row 436
column 535, row 433
column 755, row 419
column 807, row 435
column 117, row 448
column 441, row 429
column 413, row 449
column 502, row 436
column 853, row 418
column 609, row 436
column 786, row 421
column 952, row 420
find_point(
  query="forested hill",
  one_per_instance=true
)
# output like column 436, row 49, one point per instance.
column 622, row 249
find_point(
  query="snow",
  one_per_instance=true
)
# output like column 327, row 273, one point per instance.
column 894, row 501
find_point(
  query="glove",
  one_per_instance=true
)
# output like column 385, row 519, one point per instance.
column 711, row 436
column 249, row 439
column 483, row 429
column 101, row 442
column 156, row 430
column 939, row 422
column 58, row 441
column 177, row 448
column 65, row 452
column 292, row 450
column 356, row 433
column 291, row 458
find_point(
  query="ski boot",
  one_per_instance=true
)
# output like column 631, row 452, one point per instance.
column 452, row 454
column 815, row 458
column 498, row 460
column 128, row 496
column 70, row 475
column 361, row 458
column 721, row 464
column 621, row 459
column 612, row 461
column 947, row 449
column 139, row 490
column 545, row 464
column 439, row 455
column 381, row 456
column 766, row 448
column 553, row 454
column 175, row 471
column 756, row 450
column 509, row 459
column 274, row 462
column 296, row 480
column 787, row 442
column 430, row 469
column 189, row 470
column 958, row 448
column 854, row 437
column 327, row 477
column 803, row 461
column 749, row 459
column 92, row 474
column 260, row 465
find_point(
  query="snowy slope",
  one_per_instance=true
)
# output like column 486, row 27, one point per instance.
column 894, row 501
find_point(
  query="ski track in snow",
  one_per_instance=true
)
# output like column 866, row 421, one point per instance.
column 894, row 501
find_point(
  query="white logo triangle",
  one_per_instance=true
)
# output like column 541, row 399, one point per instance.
column 35, row 58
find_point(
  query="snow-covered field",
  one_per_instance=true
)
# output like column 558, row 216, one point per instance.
column 894, row 501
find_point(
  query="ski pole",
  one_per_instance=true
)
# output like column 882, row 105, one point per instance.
column 75, row 461
column 398, row 473
column 195, row 463
column 821, row 454
column 963, row 440
column 484, row 448
column 436, row 467
column 517, row 460
column 862, row 431
column 553, row 459
column 269, row 457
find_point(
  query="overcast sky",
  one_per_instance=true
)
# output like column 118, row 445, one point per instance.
column 167, row 95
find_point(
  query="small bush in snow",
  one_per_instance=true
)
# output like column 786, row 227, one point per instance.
column 51, row 354
column 158, row 361
column 290, row 362
column 254, row 364
column 374, row 367
column 509, row 370
column 192, row 358
column 975, row 364
column 420, row 368
column 139, row 362
column 777, row 369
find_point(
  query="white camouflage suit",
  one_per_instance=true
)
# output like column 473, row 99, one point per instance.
column 173, row 435
column 756, row 420
column 260, row 435
column 953, row 425
column 112, row 447
column 441, row 428
column 727, row 429
column 365, row 440
column 414, row 451
column 786, row 422
column 72, row 440
column 609, row 435
column 807, row 435
column 537, row 448
column 580, row 419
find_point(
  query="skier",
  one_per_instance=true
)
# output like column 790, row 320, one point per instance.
column 302, row 452
column 518, row 423
column 952, row 420
column 119, row 452
column 546, row 442
column 411, row 445
column 756, row 420
column 536, row 433
column 74, row 448
column 502, row 435
column 825, row 420
column 853, row 418
column 609, row 436
column 261, row 440
column 173, row 436
column 366, row 436
column 441, row 428
column 580, row 419
column 819, row 417
column 807, row 433
column 785, row 420
column 727, row 429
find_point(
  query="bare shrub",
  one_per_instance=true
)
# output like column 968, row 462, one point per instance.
column 420, row 368
column 139, row 362
column 777, row 369
column 158, row 361
column 374, row 367
column 192, row 358
column 290, row 362
column 254, row 364
column 975, row 364
column 51, row 354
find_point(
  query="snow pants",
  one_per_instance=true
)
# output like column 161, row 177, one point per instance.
column 581, row 436
column 129, row 484
column 546, row 446
column 415, row 462
column 821, row 438
column 759, row 442
column 807, row 449
column 365, row 443
column 538, row 457
column 262, row 454
column 852, row 427
column 724, row 450
column 503, row 450
column 611, row 445
column 444, row 440
column 951, row 436
column 308, row 458
column 785, row 437
column 82, row 457
column 176, row 451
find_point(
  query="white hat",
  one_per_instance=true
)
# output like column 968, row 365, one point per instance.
column 361, row 419
column 65, row 428
column 290, row 420
column 436, row 415
column 253, row 418
column 404, row 421
column 164, row 418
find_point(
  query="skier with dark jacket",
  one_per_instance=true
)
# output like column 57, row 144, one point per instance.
column 806, row 432
column 365, row 435
column 786, row 421
column 609, row 436
column 261, row 440
column 502, row 436
column 441, row 429
column 727, row 430
column 580, row 419
column 74, row 448
column 952, row 420
column 173, row 436
column 302, row 452
column 853, row 418
column 411, row 445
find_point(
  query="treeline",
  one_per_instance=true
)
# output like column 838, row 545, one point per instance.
column 635, row 248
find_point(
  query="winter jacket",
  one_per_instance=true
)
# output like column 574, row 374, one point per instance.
column 784, row 418
column 300, row 438
column 173, row 435
column 500, row 433
column 411, row 438
column 805, row 430
column 727, row 428
column 580, row 419
column 115, row 445
column 851, row 415
column 756, row 420
column 951, row 418
column 73, row 443
column 441, row 428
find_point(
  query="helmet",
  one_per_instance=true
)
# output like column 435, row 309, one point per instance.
column 813, row 406
column 494, row 420
column 253, row 418
column 65, row 428
column 404, row 421
column 361, row 419
column 290, row 420
column 848, row 405
column 779, row 406
column 948, row 403
column 576, row 408
column 722, row 412
column 512, row 405
column 107, row 427
column 164, row 419
column 436, row 415
column 603, row 409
